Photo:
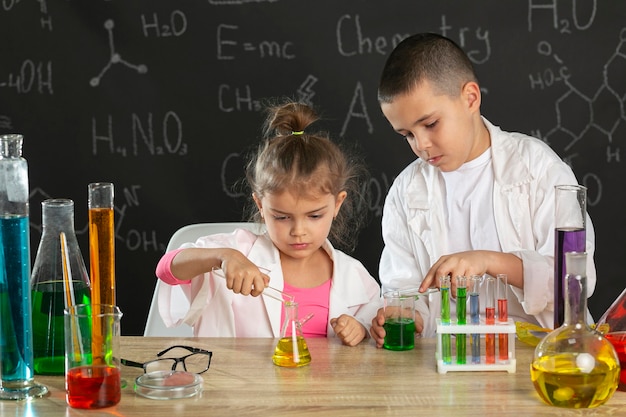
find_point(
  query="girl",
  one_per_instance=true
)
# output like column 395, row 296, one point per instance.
column 304, row 191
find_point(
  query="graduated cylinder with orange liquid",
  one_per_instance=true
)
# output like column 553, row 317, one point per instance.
column 102, row 243
column 101, row 256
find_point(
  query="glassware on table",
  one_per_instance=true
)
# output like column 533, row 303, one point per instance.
column 574, row 366
column 16, row 339
column 461, row 318
column 399, row 308
column 47, row 285
column 291, row 350
column 615, row 318
column 446, row 339
column 101, row 243
column 569, row 236
column 92, row 373
column 474, row 302
column 503, row 314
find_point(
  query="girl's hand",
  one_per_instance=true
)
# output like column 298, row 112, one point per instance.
column 242, row 276
column 349, row 330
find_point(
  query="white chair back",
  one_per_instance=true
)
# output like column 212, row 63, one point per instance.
column 189, row 233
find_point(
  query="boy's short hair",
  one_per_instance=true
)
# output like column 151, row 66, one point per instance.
column 425, row 57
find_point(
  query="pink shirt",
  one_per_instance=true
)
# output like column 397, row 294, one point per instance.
column 311, row 300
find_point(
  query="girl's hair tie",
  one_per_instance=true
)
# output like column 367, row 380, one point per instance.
column 301, row 132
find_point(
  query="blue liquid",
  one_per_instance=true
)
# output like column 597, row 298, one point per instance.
column 475, row 319
column 16, row 343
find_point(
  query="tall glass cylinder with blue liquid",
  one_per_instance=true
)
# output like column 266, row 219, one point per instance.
column 47, row 285
column 16, row 338
column 569, row 236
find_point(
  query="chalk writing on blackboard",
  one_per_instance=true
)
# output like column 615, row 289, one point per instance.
column 32, row 77
column 175, row 26
column 577, row 114
column 144, row 133
column 228, row 46
column 237, row 99
column 131, row 238
column 114, row 57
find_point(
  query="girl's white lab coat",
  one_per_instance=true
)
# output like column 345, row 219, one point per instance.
column 525, row 172
column 214, row 310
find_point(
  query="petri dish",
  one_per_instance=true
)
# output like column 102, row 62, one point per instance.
column 168, row 385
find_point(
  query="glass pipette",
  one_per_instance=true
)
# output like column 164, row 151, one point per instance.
column 269, row 291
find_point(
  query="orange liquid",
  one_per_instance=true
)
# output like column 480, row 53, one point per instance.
column 490, row 338
column 102, row 255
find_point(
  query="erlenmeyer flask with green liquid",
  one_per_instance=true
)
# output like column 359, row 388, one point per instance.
column 291, row 350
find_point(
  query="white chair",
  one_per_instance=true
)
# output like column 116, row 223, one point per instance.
column 189, row 233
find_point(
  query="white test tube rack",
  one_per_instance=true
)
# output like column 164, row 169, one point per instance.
column 482, row 329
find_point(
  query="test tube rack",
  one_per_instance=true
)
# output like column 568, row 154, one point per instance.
column 453, row 328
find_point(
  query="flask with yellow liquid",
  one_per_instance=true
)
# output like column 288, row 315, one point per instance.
column 574, row 366
column 291, row 350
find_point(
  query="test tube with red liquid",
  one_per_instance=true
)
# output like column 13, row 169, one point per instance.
column 490, row 318
column 503, row 315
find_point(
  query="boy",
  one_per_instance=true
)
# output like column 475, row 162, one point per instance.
column 477, row 200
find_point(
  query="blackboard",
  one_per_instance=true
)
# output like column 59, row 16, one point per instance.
column 161, row 98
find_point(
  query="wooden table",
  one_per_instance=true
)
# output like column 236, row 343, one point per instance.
column 340, row 380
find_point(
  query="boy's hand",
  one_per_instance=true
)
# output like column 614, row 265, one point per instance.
column 349, row 330
column 377, row 331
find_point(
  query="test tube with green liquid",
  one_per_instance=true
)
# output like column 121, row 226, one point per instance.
column 446, row 350
column 461, row 318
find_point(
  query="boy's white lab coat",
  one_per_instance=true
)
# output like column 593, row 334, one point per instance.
column 214, row 310
column 525, row 172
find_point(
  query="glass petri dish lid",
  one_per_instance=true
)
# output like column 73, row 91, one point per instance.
column 168, row 385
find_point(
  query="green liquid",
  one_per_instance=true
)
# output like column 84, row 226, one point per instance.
column 400, row 334
column 461, row 314
column 48, row 324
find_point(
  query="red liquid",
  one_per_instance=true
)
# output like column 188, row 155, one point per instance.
column 618, row 340
column 93, row 387
column 490, row 338
column 503, row 338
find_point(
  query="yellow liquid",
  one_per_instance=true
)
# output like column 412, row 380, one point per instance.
column 560, row 382
column 291, row 353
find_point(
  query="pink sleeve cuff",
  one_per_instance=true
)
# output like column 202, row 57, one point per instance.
column 164, row 269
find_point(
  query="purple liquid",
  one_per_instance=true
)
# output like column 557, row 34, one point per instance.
column 565, row 240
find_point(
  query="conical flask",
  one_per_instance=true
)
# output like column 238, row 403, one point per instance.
column 291, row 350
column 574, row 366
column 47, row 286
